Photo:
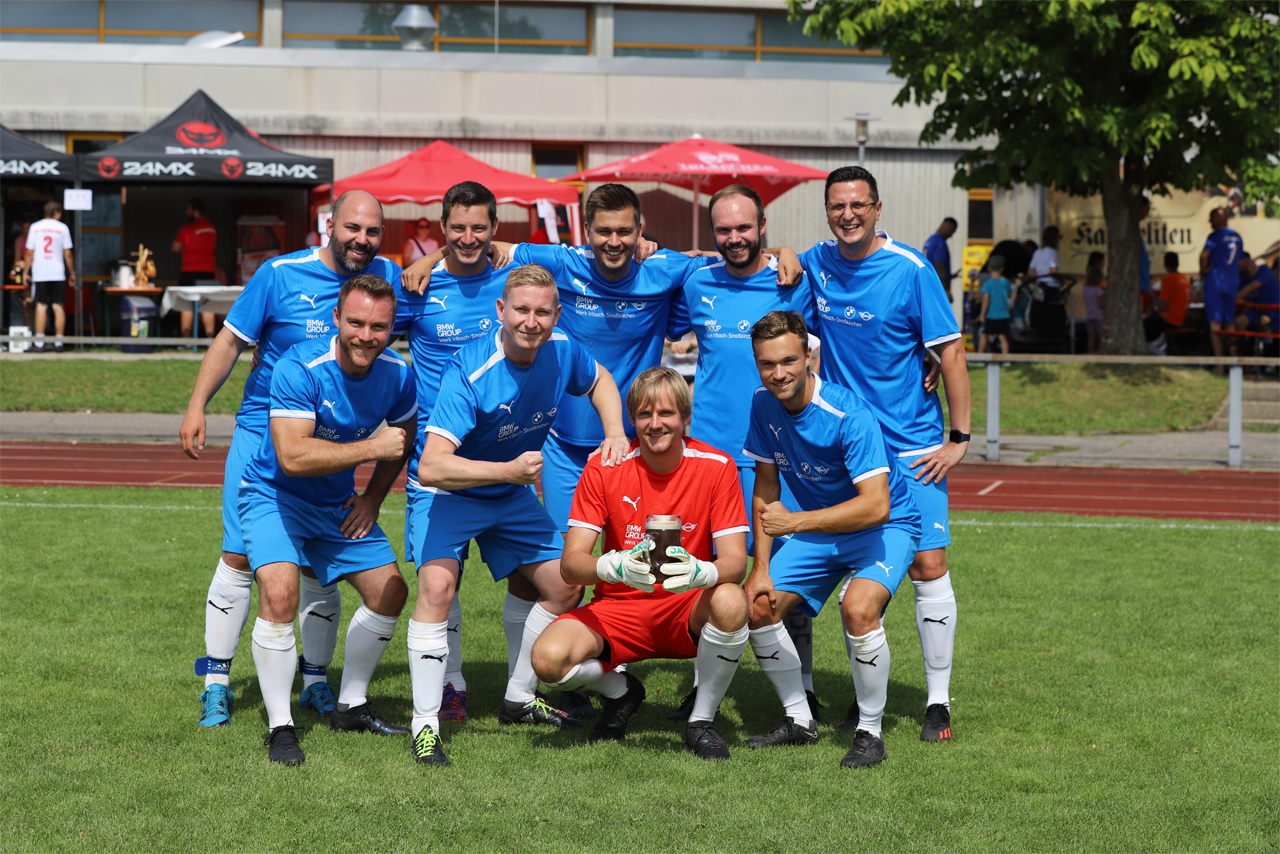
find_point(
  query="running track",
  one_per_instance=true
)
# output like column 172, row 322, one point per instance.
column 1155, row 493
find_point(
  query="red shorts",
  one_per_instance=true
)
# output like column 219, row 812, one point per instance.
column 639, row 629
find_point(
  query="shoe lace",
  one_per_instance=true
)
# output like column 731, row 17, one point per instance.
column 214, row 701
column 709, row 735
column 282, row 736
column 546, row 708
column 425, row 743
column 863, row 742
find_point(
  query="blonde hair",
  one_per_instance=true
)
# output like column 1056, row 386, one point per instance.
column 530, row 274
column 647, row 388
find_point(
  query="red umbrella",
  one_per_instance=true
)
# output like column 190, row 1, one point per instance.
column 704, row 165
column 423, row 176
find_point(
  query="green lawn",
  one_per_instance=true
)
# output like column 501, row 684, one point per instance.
column 1115, row 690
column 74, row 385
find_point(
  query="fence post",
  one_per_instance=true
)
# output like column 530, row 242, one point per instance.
column 1235, row 416
column 993, row 412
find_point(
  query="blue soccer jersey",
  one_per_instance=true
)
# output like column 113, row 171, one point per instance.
column 937, row 252
column 289, row 299
column 876, row 316
column 1224, row 247
column 834, row 443
column 622, row 323
column 495, row 410
column 310, row 385
column 722, row 308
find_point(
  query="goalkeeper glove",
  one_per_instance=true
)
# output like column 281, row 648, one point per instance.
column 686, row 572
column 629, row 568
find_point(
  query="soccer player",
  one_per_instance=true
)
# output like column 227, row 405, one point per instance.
column 1220, row 267
column 498, row 398
column 878, row 310
column 1257, row 285
column 699, row 611
column 720, row 302
column 290, row 299
column 856, row 512
column 298, row 502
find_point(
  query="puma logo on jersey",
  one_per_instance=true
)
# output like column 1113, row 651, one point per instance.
column 634, row 502
column 777, row 432
column 711, row 302
column 439, row 300
column 885, row 568
column 940, row 526
column 507, row 406
column 328, row 403
column 311, row 299
column 582, row 285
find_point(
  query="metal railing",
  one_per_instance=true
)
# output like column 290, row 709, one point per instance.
column 1235, row 387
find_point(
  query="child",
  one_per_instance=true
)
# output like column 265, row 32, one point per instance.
column 996, row 298
column 1095, row 304
column 1170, row 307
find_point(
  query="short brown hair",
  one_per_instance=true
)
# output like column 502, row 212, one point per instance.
column 375, row 286
column 738, row 190
column 775, row 324
column 646, row 388
column 51, row 208
column 530, row 274
column 611, row 197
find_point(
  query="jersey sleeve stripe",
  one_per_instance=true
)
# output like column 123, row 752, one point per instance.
column 395, row 360
column 868, row 474
column 559, row 336
column 951, row 336
column 315, row 254
column 330, row 356
column 920, row 452
column 822, row 403
column 491, row 361
column 239, row 334
column 757, row 457
column 898, row 250
column 703, row 455
column 412, row 411
column 740, row 529
column 293, row 413
column 431, row 428
column 574, row 523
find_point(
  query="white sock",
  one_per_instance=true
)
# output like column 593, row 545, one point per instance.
column 515, row 613
column 275, row 653
column 848, row 647
column 870, row 666
column 226, row 611
column 936, row 622
column 319, row 613
column 777, row 658
column 454, row 674
column 800, row 627
column 590, row 675
column 367, row 639
column 524, row 681
column 717, row 660
column 428, row 658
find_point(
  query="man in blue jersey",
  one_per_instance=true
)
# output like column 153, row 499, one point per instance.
column 297, row 503
column 878, row 311
column 498, row 398
column 937, row 253
column 1258, row 285
column 856, row 512
column 290, row 299
column 1220, row 267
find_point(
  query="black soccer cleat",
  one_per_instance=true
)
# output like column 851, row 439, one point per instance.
column 787, row 732
column 866, row 750
column 612, row 725
column 427, row 748
column 577, row 704
column 362, row 718
column 686, row 707
column 814, row 705
column 705, row 741
column 282, row 746
column 937, row 723
column 537, row 712
column 850, row 717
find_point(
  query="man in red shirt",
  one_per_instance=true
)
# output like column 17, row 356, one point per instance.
column 196, row 241
column 698, row 611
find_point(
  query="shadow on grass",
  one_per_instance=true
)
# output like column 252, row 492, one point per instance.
column 1130, row 375
column 1034, row 374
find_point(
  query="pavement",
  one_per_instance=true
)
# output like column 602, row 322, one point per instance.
column 1191, row 449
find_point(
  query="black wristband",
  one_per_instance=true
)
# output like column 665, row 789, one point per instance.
column 958, row 437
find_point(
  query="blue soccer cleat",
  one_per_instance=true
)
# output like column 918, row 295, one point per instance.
column 216, row 705
column 319, row 697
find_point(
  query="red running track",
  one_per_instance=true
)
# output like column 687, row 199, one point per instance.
column 1154, row 493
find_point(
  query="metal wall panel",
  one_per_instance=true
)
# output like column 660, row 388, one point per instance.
column 55, row 139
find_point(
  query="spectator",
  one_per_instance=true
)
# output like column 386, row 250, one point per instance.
column 938, row 254
column 1258, row 284
column 1170, row 306
column 1144, row 260
column 47, row 267
column 420, row 243
column 997, row 295
column 1045, row 264
column 1017, row 258
column 15, row 273
column 197, row 241
column 1220, row 267
column 1095, row 304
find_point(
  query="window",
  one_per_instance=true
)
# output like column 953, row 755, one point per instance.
column 740, row 35
column 981, row 215
column 127, row 21
column 541, row 28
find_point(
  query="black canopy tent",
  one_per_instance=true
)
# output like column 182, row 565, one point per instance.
column 23, row 162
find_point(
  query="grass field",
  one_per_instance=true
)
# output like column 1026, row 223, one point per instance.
column 1115, row 690
column 1045, row 399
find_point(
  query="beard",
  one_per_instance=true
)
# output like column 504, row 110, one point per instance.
column 341, row 254
column 753, row 252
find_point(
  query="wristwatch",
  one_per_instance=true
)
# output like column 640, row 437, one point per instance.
column 958, row 437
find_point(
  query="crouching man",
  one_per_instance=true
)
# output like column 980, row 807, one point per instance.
column 298, row 502
column 695, row 609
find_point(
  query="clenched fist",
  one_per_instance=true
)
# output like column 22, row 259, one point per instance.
column 526, row 467
column 389, row 444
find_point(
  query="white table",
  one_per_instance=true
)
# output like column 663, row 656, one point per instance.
column 189, row 297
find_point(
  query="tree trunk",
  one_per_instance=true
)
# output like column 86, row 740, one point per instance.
column 1122, row 328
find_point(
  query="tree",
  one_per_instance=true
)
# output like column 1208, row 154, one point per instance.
column 1090, row 96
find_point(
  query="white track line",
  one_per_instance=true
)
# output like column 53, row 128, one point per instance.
column 1190, row 526
column 218, row 508
column 990, row 487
